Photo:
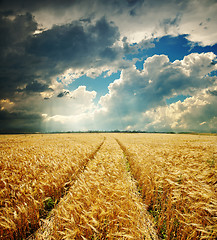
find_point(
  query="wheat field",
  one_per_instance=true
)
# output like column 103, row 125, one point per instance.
column 108, row 186
column 36, row 170
column 177, row 178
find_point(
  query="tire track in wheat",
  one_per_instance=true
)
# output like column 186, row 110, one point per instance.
column 45, row 224
column 176, row 176
column 149, row 224
column 103, row 203
column 81, row 169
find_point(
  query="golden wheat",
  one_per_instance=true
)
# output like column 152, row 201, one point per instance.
column 177, row 177
column 35, row 172
column 102, row 204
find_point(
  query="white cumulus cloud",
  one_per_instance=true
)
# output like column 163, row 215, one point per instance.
column 143, row 93
column 197, row 113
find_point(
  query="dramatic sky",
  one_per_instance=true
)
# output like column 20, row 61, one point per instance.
column 70, row 65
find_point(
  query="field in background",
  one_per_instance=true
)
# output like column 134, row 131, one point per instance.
column 108, row 186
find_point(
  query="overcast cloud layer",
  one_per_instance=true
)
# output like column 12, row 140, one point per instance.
column 47, row 46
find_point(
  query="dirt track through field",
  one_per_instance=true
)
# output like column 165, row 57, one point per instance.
column 176, row 176
column 46, row 223
column 103, row 202
column 76, row 174
column 36, row 172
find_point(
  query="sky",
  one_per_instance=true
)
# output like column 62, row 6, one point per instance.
column 79, row 65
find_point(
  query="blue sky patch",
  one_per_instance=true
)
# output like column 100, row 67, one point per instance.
column 99, row 84
column 176, row 99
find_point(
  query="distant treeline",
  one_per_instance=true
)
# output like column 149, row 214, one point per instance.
column 111, row 131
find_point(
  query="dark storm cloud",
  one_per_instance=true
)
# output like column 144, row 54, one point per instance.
column 15, row 64
column 74, row 43
column 62, row 94
column 89, row 6
column 14, row 32
column 60, row 5
column 26, row 5
column 134, row 2
column 26, row 57
column 37, row 87
column 214, row 92
column 18, row 115
column 20, row 121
